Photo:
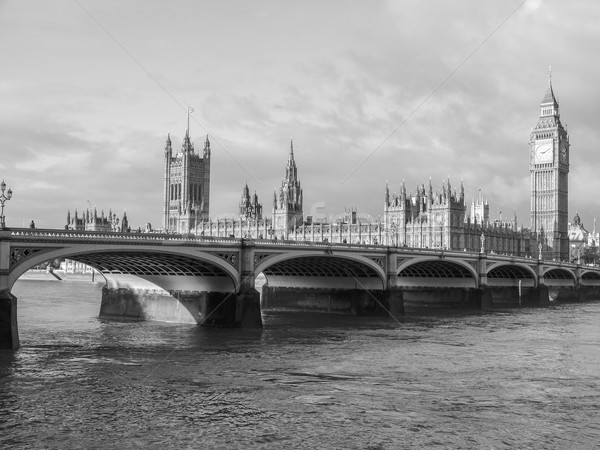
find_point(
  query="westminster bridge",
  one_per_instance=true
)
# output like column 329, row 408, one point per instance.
column 211, row 280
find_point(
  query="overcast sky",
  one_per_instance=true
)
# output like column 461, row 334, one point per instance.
column 369, row 91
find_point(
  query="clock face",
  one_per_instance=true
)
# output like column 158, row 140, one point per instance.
column 563, row 153
column 544, row 152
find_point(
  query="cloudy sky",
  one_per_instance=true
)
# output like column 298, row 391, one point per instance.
column 369, row 91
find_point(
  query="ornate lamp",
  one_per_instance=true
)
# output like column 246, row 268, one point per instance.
column 3, row 199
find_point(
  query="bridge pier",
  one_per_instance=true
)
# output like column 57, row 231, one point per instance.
column 427, row 299
column 9, row 331
column 219, row 309
column 493, row 297
column 332, row 300
column 247, row 309
column 397, row 301
column 579, row 293
column 335, row 300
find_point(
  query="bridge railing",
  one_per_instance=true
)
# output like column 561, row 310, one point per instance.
column 51, row 234
column 54, row 235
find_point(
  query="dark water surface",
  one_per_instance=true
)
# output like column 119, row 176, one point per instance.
column 525, row 378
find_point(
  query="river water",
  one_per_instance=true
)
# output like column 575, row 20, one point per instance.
column 523, row 378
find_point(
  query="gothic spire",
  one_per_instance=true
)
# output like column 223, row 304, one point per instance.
column 291, row 158
column 387, row 194
column 168, row 150
column 207, row 147
column 549, row 97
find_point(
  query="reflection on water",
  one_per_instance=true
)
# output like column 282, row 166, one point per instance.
column 520, row 378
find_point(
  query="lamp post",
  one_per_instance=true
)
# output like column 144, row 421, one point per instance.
column 3, row 199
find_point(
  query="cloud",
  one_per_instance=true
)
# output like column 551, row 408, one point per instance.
column 369, row 92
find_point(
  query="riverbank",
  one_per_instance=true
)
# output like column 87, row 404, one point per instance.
column 43, row 275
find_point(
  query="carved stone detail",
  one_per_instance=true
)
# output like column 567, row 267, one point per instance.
column 231, row 257
column 18, row 255
column 379, row 260
column 260, row 256
column 473, row 264
column 400, row 260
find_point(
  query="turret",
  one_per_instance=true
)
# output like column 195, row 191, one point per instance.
column 187, row 146
column 168, row 148
column 124, row 222
column 430, row 194
column 387, row 194
column 403, row 194
column 207, row 148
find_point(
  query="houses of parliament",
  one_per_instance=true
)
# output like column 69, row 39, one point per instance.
column 423, row 218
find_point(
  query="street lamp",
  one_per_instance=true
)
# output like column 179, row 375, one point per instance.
column 3, row 199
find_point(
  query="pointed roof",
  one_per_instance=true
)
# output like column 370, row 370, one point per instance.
column 187, row 142
column 549, row 97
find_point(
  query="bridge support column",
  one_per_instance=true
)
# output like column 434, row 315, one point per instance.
column 247, row 309
column 395, row 301
column 333, row 300
column 247, row 299
column 9, row 332
column 494, row 297
column 585, row 293
column 218, row 309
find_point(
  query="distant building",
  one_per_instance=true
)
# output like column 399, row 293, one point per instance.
column 439, row 219
column 549, row 168
column 480, row 210
column 250, row 209
column 91, row 221
column 578, row 239
column 187, row 186
column 287, row 206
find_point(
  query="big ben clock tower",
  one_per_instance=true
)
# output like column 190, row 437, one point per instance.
column 549, row 169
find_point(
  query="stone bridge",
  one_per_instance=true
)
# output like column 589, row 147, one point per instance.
column 211, row 281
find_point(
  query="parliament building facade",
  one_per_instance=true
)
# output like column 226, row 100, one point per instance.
column 425, row 218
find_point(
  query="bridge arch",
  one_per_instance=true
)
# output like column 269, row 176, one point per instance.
column 558, row 276
column 433, row 271
column 509, row 274
column 322, row 270
column 130, row 266
column 590, row 278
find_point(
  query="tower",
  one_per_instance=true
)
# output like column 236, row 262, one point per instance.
column 250, row 209
column 187, row 185
column 287, row 207
column 549, row 170
column 480, row 210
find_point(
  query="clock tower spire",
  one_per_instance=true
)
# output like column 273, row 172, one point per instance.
column 549, row 170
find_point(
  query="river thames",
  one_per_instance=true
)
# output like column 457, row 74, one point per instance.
column 521, row 378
